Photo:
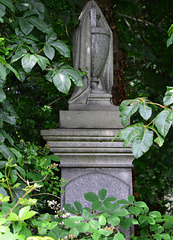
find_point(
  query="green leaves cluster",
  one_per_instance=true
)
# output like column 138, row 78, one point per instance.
column 142, row 135
column 109, row 218
column 170, row 35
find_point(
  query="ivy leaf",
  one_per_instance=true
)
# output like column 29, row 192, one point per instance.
column 49, row 51
column 28, row 62
column 168, row 98
column 9, row 4
column 163, row 121
column 142, row 141
column 62, row 48
column 42, row 62
column 128, row 112
column 25, row 26
column 61, row 81
column 3, row 72
column 145, row 111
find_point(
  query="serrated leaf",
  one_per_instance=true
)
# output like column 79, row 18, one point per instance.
column 28, row 62
column 91, row 197
column 40, row 24
column 164, row 121
column 61, row 81
column 62, row 48
column 25, row 26
column 49, row 51
column 142, row 142
column 145, row 111
column 42, row 62
column 9, row 4
column 3, row 72
column 168, row 98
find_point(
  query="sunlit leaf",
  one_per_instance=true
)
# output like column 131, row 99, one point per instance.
column 49, row 51
column 9, row 4
column 28, row 62
column 168, row 98
column 3, row 72
column 145, row 111
column 42, row 62
column 62, row 48
column 61, row 81
column 25, row 26
column 128, row 112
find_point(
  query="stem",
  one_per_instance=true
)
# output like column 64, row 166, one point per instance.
column 40, row 51
column 9, row 188
column 157, row 104
column 45, row 194
column 150, row 123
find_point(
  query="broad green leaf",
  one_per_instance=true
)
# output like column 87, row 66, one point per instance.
column 169, row 41
column 19, row 54
column 74, row 232
column 142, row 142
column 52, row 36
column 6, row 152
column 14, row 217
column 49, row 51
column 113, row 220
column 145, row 111
column 97, row 206
column 69, row 208
column 91, row 197
column 125, row 223
column 61, row 81
column 111, row 199
column 42, row 62
column 155, row 214
column 121, row 212
column 102, row 193
column 131, row 199
column 96, row 235
column 2, row 10
column 28, row 62
column 9, row 4
column 78, row 206
column 24, row 211
column 2, row 60
column 94, row 224
column 122, row 135
column 131, row 136
column 128, row 112
column 25, row 26
column 123, row 201
column 170, row 30
column 124, row 104
column 164, row 121
column 2, row 95
column 159, row 140
column 140, row 204
column 119, row 236
column 135, row 210
column 7, row 118
column 102, row 220
column 82, row 227
column 85, row 213
column 4, row 229
column 22, row 6
column 30, row 214
column 40, row 24
column 62, row 48
column 3, row 72
column 75, row 76
column 7, row 136
column 168, row 98
column 13, row 70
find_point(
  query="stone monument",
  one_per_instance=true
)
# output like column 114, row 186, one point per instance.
column 89, row 159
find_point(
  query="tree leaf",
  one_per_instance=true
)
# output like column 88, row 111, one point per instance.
column 2, row 10
column 113, row 220
column 61, row 81
column 19, row 54
column 13, row 70
column 102, row 193
column 49, row 51
column 168, row 98
column 128, row 112
column 145, row 111
column 102, row 220
column 124, row 104
column 119, row 236
column 3, row 72
column 91, row 197
column 2, row 95
column 78, row 206
column 6, row 152
column 42, row 62
column 163, row 121
column 82, row 227
column 142, row 141
column 28, row 62
column 69, row 208
column 62, row 48
column 75, row 76
column 25, row 26
column 40, row 24
column 9, row 4
column 51, row 37
column 23, row 211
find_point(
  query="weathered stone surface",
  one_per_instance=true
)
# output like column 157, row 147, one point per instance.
column 90, row 119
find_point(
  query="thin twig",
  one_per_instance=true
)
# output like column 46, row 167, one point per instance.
column 45, row 194
column 54, row 101
column 28, row 183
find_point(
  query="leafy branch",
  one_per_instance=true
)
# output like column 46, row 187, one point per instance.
column 142, row 135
